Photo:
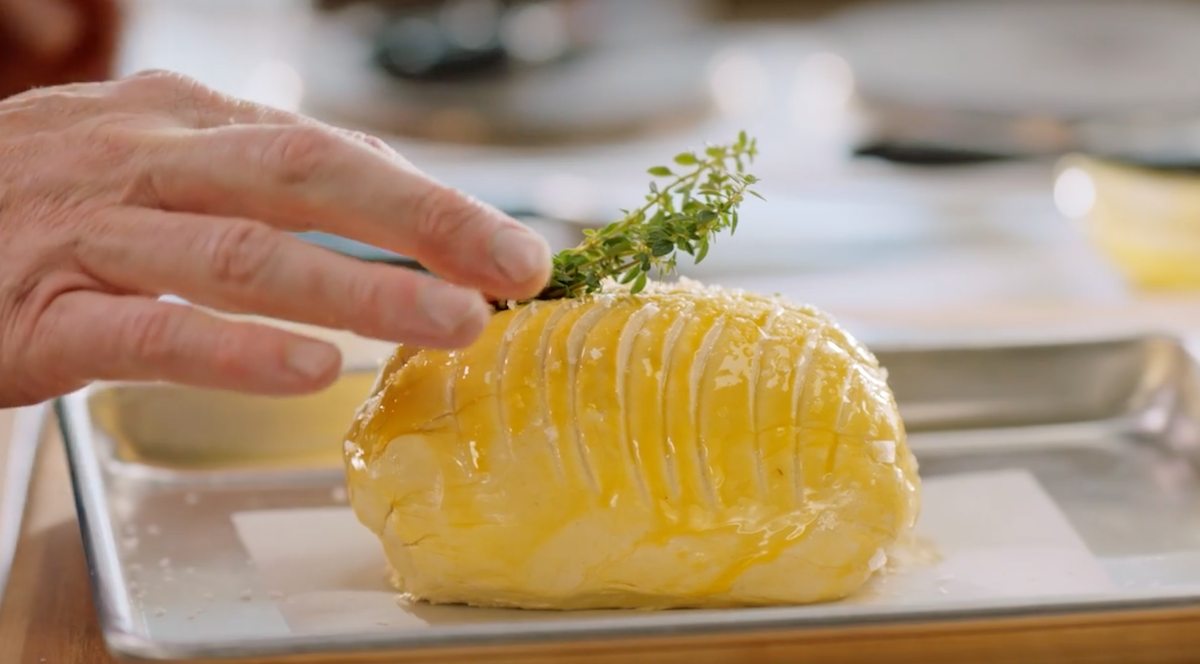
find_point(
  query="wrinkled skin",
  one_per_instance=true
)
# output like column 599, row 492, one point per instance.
column 114, row 193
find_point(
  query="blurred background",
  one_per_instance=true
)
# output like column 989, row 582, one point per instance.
column 927, row 163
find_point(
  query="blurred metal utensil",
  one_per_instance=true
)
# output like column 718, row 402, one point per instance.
column 1160, row 140
column 949, row 82
column 29, row 428
column 509, row 72
column 930, row 136
column 560, row 233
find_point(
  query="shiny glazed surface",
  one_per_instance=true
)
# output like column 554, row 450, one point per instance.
column 685, row 447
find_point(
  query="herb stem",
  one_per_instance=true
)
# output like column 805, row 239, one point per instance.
column 684, row 214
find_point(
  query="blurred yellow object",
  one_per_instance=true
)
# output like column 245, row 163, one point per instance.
column 1146, row 220
column 683, row 447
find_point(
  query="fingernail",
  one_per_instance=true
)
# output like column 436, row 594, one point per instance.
column 312, row 359
column 451, row 307
column 521, row 254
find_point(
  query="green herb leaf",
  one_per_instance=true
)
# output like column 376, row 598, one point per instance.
column 686, row 159
column 684, row 214
column 639, row 284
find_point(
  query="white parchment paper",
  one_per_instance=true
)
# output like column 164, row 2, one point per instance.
column 980, row 536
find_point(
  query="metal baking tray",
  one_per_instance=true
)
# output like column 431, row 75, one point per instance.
column 1109, row 427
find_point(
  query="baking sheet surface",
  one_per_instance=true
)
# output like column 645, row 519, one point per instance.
column 1066, row 480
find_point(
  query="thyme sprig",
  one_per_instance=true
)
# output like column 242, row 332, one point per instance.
column 699, row 199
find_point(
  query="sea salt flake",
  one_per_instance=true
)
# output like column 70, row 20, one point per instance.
column 877, row 561
column 884, row 451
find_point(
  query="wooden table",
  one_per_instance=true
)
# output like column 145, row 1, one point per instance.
column 48, row 615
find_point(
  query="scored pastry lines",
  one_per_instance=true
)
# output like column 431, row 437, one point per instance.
column 815, row 335
column 839, row 423
column 698, row 368
column 672, row 467
column 511, row 330
column 545, row 420
column 752, row 397
column 452, row 395
column 635, row 468
column 575, row 342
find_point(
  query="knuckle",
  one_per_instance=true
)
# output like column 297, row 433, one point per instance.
column 190, row 97
column 229, row 356
column 104, row 152
column 239, row 253
column 151, row 72
column 180, row 93
column 376, row 142
column 367, row 295
column 160, row 78
column 298, row 155
column 154, row 83
column 371, row 141
column 110, row 137
column 252, row 112
column 441, row 214
column 151, row 334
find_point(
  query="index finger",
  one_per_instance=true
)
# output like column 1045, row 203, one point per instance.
column 308, row 177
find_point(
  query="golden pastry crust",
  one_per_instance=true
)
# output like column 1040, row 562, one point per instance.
column 687, row 446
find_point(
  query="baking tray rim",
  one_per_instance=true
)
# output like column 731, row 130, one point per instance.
column 118, row 623
column 128, row 644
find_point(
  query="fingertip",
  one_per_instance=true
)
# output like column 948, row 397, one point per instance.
column 453, row 311
column 313, row 363
column 524, row 257
column 473, row 326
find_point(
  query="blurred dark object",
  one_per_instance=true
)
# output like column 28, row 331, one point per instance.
column 964, row 81
column 1163, row 141
column 932, row 136
column 512, row 72
column 92, row 58
column 769, row 10
column 460, row 41
column 916, row 154
column 425, row 40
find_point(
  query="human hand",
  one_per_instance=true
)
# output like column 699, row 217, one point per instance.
column 112, row 194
